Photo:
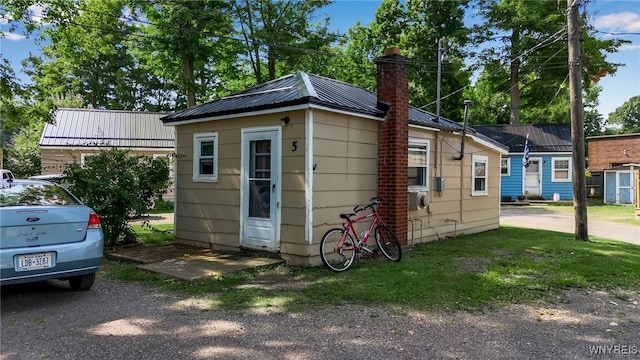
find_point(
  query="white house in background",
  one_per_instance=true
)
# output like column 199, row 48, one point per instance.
column 78, row 133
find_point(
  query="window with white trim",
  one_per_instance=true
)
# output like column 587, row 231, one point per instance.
column 561, row 169
column 84, row 156
column 479, row 175
column 205, row 156
column 418, row 165
column 505, row 166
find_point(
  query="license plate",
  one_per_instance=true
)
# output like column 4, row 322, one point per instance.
column 34, row 262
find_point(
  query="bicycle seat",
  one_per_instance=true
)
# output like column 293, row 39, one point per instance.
column 347, row 216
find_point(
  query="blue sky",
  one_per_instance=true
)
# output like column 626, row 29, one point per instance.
column 609, row 16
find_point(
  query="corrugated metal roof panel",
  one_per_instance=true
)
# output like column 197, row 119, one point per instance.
column 116, row 128
column 294, row 89
column 542, row 137
column 303, row 88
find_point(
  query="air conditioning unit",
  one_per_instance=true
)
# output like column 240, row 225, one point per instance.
column 417, row 200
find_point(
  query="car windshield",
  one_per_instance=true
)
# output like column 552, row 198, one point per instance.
column 23, row 194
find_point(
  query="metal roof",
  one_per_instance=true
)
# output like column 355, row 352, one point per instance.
column 114, row 128
column 303, row 88
column 542, row 137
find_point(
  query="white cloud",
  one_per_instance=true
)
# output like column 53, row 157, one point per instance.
column 619, row 22
column 36, row 12
column 629, row 47
column 11, row 36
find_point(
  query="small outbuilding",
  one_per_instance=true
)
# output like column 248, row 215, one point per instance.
column 272, row 167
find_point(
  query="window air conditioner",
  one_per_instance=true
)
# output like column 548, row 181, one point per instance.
column 417, row 200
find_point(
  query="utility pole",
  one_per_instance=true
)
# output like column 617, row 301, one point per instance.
column 577, row 121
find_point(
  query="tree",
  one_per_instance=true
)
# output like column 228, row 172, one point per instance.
column 278, row 36
column 593, row 120
column 415, row 27
column 23, row 151
column 21, row 119
column 627, row 116
column 183, row 42
column 490, row 105
column 429, row 21
column 524, row 40
column 116, row 183
column 95, row 64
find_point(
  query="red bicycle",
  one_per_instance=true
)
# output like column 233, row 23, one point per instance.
column 340, row 246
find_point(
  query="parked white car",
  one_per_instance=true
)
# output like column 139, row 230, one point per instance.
column 6, row 174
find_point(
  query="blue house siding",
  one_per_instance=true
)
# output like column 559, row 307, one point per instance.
column 545, row 143
column 550, row 187
column 512, row 184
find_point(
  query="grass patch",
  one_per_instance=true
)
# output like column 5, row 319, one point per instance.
column 622, row 214
column 472, row 272
column 160, row 234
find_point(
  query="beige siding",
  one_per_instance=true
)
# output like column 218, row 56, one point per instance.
column 455, row 211
column 345, row 151
column 209, row 212
column 54, row 160
column 345, row 161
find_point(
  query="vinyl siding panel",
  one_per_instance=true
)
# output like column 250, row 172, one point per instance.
column 212, row 209
column 454, row 211
column 345, row 152
column 512, row 185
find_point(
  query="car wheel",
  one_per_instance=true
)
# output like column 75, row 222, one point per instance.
column 82, row 282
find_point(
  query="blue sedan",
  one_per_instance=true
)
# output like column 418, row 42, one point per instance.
column 47, row 233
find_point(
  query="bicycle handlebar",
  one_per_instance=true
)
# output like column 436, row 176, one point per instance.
column 375, row 201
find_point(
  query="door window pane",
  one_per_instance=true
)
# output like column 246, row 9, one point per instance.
column 260, row 179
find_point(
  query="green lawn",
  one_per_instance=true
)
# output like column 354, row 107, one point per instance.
column 472, row 272
column 596, row 210
column 154, row 234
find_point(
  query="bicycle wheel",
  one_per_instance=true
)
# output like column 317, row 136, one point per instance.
column 337, row 250
column 387, row 242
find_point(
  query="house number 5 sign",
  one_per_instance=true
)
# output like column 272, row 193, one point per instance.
column 294, row 145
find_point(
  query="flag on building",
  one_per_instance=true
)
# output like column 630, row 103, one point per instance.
column 525, row 160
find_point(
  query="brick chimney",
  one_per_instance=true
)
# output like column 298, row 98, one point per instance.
column 393, row 88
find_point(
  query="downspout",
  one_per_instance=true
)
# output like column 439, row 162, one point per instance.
column 464, row 129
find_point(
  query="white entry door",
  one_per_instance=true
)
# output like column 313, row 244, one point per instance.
column 532, row 178
column 260, row 189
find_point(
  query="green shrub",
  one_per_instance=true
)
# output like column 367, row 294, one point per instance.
column 116, row 184
column 163, row 206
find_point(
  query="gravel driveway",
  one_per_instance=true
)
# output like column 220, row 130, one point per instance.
column 131, row 321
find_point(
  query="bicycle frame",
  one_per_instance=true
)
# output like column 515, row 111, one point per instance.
column 340, row 246
column 349, row 228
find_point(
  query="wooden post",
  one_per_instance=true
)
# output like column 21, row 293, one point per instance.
column 577, row 122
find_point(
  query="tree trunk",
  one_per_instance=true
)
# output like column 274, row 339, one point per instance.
column 514, row 90
column 514, row 80
column 189, row 75
column 271, row 61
